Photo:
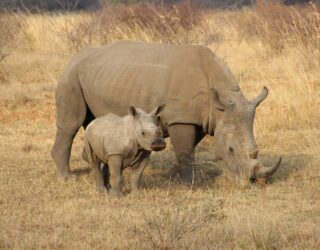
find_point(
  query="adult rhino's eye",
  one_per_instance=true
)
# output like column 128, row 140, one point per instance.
column 143, row 133
column 231, row 149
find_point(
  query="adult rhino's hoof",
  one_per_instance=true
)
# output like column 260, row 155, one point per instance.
column 186, row 176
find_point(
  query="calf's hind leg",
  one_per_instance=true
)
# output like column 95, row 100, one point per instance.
column 97, row 174
column 71, row 113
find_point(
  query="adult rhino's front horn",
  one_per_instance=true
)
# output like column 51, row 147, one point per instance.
column 257, row 169
column 260, row 171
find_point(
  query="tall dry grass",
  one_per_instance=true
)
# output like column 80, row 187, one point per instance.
column 180, row 23
column 270, row 45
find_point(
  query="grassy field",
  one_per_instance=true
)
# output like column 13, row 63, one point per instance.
column 271, row 45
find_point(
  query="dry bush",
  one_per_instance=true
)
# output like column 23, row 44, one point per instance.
column 10, row 27
column 277, row 25
column 168, row 227
column 177, row 24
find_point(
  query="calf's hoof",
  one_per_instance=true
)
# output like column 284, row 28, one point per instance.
column 116, row 194
column 101, row 189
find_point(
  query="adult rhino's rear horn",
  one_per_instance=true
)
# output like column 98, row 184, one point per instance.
column 260, row 97
column 260, row 171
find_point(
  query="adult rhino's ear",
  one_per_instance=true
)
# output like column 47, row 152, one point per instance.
column 157, row 110
column 132, row 111
column 218, row 103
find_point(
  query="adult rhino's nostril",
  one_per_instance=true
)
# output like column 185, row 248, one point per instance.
column 254, row 154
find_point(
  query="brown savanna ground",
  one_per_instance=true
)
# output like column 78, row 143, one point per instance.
column 272, row 45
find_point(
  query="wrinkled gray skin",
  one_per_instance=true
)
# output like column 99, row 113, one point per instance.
column 201, row 96
column 121, row 142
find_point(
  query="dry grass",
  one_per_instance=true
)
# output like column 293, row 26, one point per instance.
column 37, row 211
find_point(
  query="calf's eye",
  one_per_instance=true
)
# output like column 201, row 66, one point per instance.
column 231, row 149
column 143, row 133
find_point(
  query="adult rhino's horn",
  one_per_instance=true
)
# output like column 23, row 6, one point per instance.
column 260, row 97
column 260, row 171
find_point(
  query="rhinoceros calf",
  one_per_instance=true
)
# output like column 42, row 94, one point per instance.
column 122, row 142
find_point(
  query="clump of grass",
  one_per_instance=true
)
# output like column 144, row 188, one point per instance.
column 28, row 147
column 169, row 227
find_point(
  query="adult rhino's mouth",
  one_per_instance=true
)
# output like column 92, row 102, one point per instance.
column 260, row 171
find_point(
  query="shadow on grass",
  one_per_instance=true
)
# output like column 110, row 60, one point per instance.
column 162, row 174
column 81, row 171
column 290, row 164
column 162, row 171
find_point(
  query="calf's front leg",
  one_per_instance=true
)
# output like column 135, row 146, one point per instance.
column 137, row 171
column 115, row 168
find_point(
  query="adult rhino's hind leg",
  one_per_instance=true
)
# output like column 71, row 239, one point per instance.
column 183, row 138
column 71, row 113
column 61, row 152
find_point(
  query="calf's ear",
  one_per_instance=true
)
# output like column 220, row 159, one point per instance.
column 157, row 110
column 132, row 111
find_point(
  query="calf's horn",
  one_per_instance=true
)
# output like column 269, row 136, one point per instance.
column 258, row 170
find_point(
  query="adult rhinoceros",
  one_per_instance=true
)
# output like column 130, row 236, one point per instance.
column 201, row 96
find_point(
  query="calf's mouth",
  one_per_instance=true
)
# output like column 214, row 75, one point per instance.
column 158, row 145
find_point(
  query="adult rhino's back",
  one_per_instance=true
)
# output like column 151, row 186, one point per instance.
column 146, row 75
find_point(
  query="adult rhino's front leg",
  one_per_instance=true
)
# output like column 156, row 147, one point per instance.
column 183, row 139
